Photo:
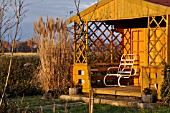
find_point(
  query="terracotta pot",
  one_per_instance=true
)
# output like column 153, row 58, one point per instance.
column 150, row 98
column 73, row 91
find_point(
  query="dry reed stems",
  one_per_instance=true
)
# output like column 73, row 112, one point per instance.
column 55, row 53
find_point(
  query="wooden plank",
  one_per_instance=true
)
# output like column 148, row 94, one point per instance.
column 87, row 40
column 126, row 91
column 102, row 77
column 96, row 65
column 75, row 42
column 147, row 44
column 168, row 40
column 99, row 69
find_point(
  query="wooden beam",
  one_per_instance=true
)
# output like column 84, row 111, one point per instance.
column 147, row 44
column 87, row 40
column 75, row 41
column 168, row 40
column 88, row 10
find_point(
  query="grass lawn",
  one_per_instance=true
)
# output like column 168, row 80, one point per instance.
column 31, row 101
column 99, row 108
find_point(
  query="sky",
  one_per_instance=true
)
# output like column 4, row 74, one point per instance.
column 50, row 8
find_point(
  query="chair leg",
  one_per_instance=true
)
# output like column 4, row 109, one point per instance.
column 156, row 87
column 118, row 81
column 104, row 81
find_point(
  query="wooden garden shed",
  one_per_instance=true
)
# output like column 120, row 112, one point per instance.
column 110, row 28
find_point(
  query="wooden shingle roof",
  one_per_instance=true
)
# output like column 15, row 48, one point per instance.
column 123, row 9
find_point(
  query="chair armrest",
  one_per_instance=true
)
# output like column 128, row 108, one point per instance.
column 134, row 71
column 126, row 69
column 112, row 68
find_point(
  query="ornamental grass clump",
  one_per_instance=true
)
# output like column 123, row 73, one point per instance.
column 55, row 52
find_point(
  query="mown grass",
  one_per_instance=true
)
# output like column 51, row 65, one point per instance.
column 34, row 103
column 99, row 108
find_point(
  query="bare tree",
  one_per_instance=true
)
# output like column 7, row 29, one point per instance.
column 17, row 9
column 5, row 20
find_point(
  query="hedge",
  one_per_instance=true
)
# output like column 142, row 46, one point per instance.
column 22, row 80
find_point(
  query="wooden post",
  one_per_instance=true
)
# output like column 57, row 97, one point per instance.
column 111, row 44
column 91, row 100
column 90, row 92
column 147, row 43
column 89, row 72
column 75, row 33
column 87, row 39
column 168, row 39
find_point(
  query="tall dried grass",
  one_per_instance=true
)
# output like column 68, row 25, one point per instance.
column 55, row 51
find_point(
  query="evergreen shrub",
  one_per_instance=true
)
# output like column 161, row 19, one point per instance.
column 21, row 81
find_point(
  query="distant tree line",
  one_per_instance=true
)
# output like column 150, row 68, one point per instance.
column 24, row 46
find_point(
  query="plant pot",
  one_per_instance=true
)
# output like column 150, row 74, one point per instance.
column 150, row 98
column 79, row 90
column 73, row 91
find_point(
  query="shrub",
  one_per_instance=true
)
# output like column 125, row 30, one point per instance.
column 21, row 81
column 165, row 89
column 147, row 91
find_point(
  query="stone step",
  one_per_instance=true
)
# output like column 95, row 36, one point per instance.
column 117, row 102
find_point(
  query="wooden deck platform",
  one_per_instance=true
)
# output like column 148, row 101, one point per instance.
column 119, row 91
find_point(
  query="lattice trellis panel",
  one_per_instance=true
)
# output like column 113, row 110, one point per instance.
column 127, row 41
column 105, row 44
column 157, row 40
column 80, row 43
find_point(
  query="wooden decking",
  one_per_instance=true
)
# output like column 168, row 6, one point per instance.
column 119, row 91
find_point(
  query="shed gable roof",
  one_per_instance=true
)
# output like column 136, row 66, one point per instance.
column 120, row 9
column 161, row 2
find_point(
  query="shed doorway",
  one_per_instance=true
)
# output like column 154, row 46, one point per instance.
column 134, row 42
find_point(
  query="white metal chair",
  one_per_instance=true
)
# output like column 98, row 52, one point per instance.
column 125, row 69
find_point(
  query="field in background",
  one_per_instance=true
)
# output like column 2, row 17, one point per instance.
column 23, row 54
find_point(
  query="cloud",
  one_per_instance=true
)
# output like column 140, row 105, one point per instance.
column 51, row 8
